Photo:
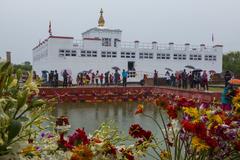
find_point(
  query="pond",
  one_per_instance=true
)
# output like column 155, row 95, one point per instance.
column 90, row 116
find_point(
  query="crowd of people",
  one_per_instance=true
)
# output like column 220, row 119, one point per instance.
column 185, row 80
column 96, row 78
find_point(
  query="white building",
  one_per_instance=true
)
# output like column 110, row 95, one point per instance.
column 102, row 48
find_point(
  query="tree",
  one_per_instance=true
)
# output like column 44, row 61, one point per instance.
column 231, row 62
column 25, row 67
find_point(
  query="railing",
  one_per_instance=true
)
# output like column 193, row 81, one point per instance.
column 157, row 46
column 140, row 74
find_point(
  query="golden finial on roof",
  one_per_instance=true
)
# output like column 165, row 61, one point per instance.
column 101, row 20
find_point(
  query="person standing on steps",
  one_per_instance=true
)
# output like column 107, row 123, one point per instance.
column 124, row 76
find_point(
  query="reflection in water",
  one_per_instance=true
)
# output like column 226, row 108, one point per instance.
column 90, row 116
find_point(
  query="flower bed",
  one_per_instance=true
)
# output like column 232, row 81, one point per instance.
column 194, row 129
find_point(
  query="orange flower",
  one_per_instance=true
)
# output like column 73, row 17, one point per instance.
column 139, row 109
column 82, row 152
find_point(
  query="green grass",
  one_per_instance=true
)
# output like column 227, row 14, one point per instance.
column 215, row 89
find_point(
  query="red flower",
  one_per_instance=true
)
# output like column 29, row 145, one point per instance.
column 172, row 112
column 136, row 131
column 188, row 126
column 211, row 142
column 237, row 145
column 200, row 130
column 183, row 102
column 78, row 137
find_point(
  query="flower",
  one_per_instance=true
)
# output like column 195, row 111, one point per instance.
column 78, row 137
column 82, row 152
column 198, row 144
column 139, row 109
column 193, row 112
column 165, row 155
column 136, row 131
column 172, row 112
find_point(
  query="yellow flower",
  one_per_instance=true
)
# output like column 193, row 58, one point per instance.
column 198, row 144
column 165, row 155
column 29, row 149
column 193, row 112
column 236, row 99
column 139, row 109
column 218, row 119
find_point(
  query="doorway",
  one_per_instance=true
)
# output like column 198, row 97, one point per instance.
column 131, row 66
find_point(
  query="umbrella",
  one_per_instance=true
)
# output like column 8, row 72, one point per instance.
column 44, row 71
column 234, row 81
column 189, row 67
column 212, row 72
column 69, row 72
column 116, row 68
column 169, row 69
column 197, row 70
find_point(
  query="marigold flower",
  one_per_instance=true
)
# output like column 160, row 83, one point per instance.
column 82, row 152
column 139, row 109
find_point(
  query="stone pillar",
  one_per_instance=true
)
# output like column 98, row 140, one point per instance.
column 154, row 45
column 136, row 44
column 171, row 46
column 187, row 46
column 8, row 56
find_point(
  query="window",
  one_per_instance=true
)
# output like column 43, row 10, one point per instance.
column 67, row 51
column 115, row 42
column 122, row 54
column 163, row 56
column 114, row 54
column 150, row 55
column 74, row 51
column 109, row 54
column 140, row 55
column 132, row 55
column 103, row 54
column 74, row 55
column 195, row 57
column 94, row 53
column 146, row 55
column 89, row 53
column 61, row 51
column 210, row 58
column 175, row 56
column 67, row 54
column 106, row 42
column 179, row 56
column 127, row 54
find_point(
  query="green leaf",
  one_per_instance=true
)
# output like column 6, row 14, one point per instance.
column 13, row 129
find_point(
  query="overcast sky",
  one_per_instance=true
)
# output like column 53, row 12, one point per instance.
column 24, row 22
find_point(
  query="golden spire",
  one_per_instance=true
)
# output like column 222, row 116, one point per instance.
column 101, row 20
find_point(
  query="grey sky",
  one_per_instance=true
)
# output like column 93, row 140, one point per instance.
column 24, row 22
